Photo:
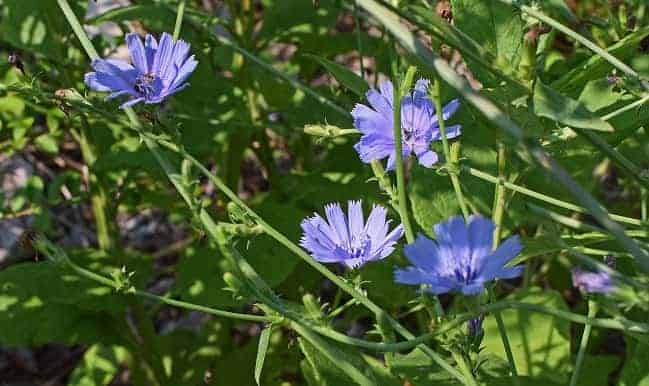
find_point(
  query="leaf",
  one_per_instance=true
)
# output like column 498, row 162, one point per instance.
column 494, row 25
column 348, row 78
column 550, row 104
column 99, row 366
column 635, row 371
column 540, row 343
column 77, row 310
column 419, row 369
column 35, row 25
column 47, row 143
column 264, row 339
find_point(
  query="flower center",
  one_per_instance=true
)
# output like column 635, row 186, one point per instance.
column 144, row 84
column 465, row 274
column 359, row 246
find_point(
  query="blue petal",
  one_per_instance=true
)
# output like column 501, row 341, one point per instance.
column 424, row 254
column 481, row 230
column 387, row 90
column 355, row 218
column 451, row 132
column 453, row 239
column 427, row 158
column 374, row 147
column 162, row 56
column 380, row 104
column 138, row 54
column 493, row 266
column 131, row 102
column 336, row 219
column 150, row 48
column 369, row 121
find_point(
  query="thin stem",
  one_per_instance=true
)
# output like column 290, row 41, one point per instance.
column 643, row 204
column 575, row 35
column 464, row 368
column 492, row 112
column 498, row 215
column 179, row 19
column 499, row 195
column 592, row 311
column 208, row 222
column 626, row 108
column 279, row 237
column 176, row 303
column 359, row 41
column 78, row 29
column 542, row 197
column 450, row 164
column 401, row 184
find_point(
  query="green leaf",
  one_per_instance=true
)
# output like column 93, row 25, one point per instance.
column 550, row 104
column 262, row 350
column 540, row 343
column 635, row 371
column 494, row 25
column 77, row 310
column 47, row 143
column 99, row 366
column 342, row 74
column 418, row 368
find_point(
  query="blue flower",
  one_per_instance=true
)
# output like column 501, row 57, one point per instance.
column 158, row 70
column 419, row 125
column 349, row 240
column 592, row 282
column 461, row 260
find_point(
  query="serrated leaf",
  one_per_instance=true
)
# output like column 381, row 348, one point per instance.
column 345, row 76
column 550, row 104
column 262, row 350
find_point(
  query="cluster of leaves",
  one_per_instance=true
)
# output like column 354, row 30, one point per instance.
column 267, row 69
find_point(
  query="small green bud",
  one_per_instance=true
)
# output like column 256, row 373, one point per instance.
column 312, row 306
column 327, row 131
column 122, row 279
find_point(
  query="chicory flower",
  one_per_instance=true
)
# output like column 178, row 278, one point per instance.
column 461, row 260
column 157, row 70
column 349, row 239
column 592, row 281
column 419, row 125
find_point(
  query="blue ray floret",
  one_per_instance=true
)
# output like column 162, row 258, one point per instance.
column 419, row 125
column 349, row 240
column 461, row 260
column 158, row 70
column 592, row 281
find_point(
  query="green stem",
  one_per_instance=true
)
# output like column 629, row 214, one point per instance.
column 209, row 224
column 533, row 12
column 179, row 19
column 97, row 190
column 464, row 368
column 592, row 311
column 643, row 204
column 542, row 197
column 83, row 272
column 449, row 158
column 498, row 215
column 539, row 157
column 359, row 41
column 499, row 196
column 279, row 237
column 400, row 170
column 334, row 355
column 78, row 29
